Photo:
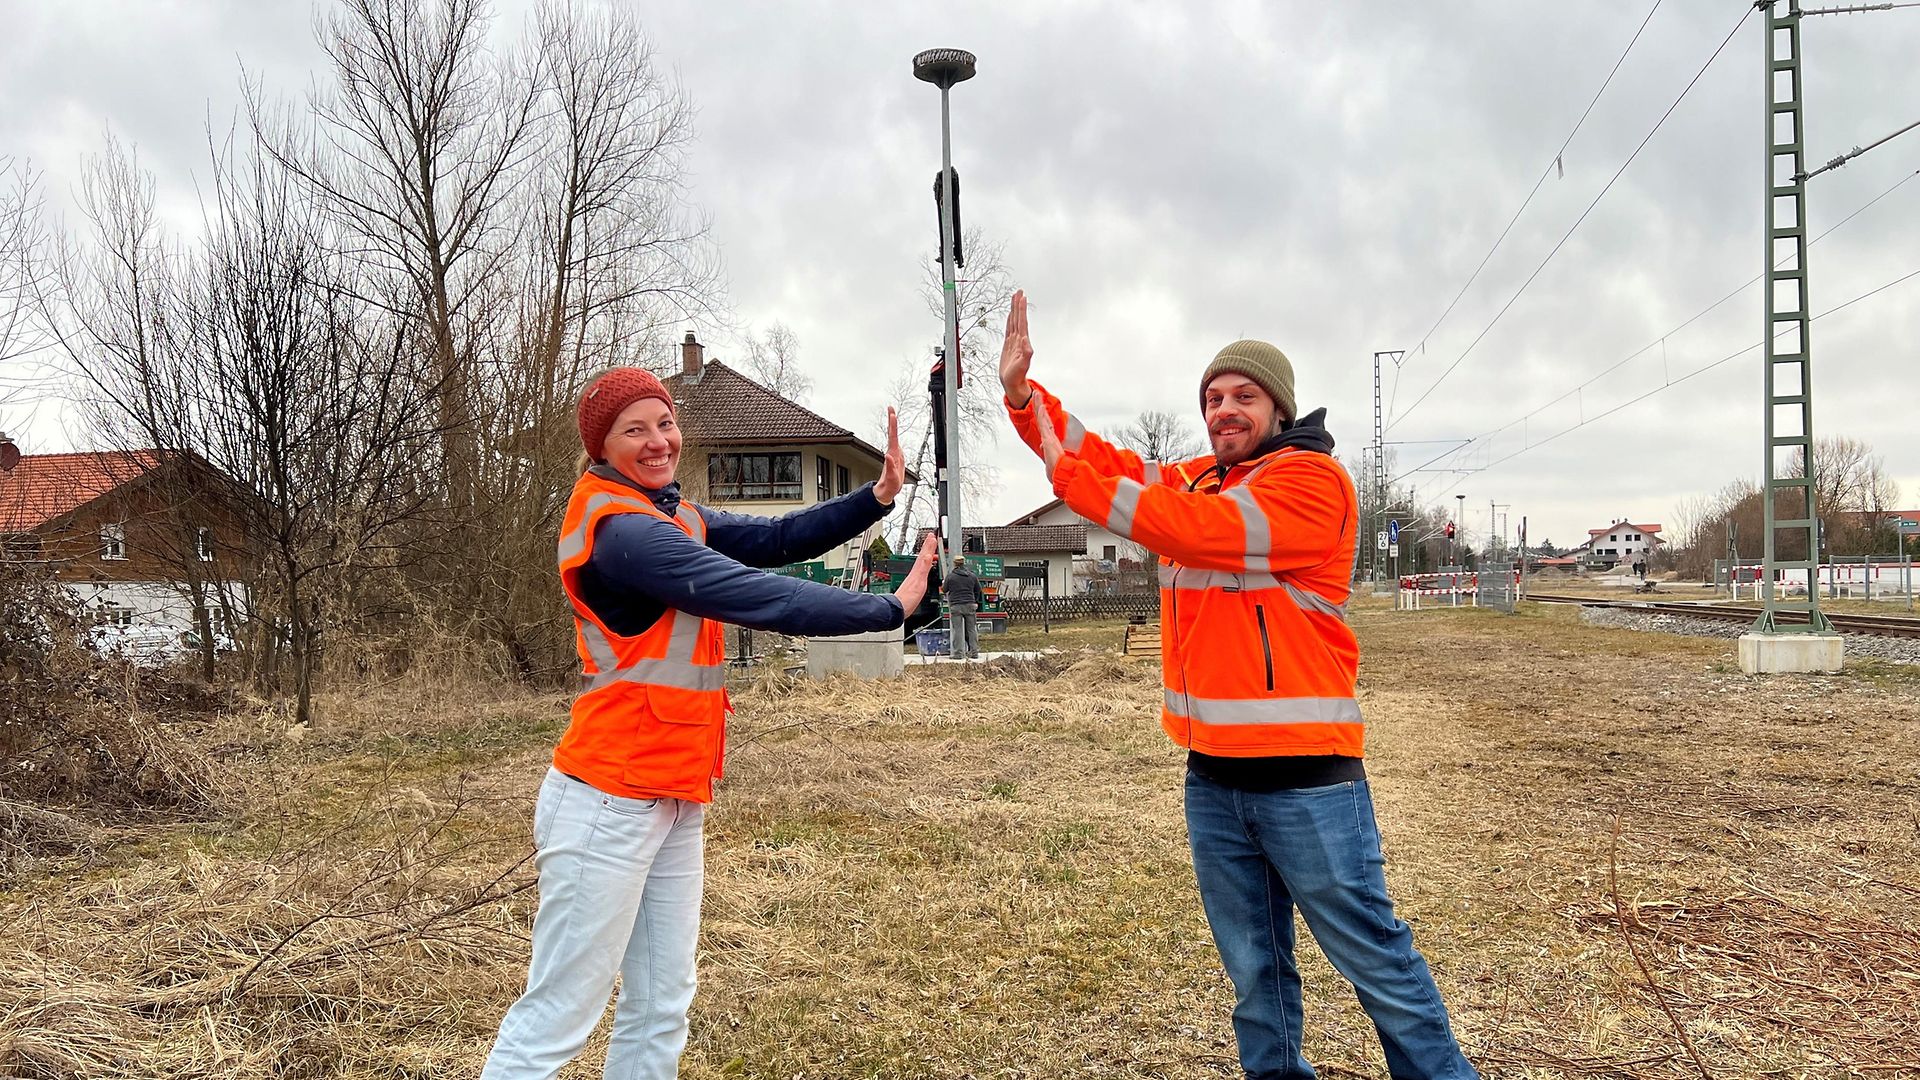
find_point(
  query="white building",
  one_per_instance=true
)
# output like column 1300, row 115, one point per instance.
column 1620, row 542
column 1108, row 554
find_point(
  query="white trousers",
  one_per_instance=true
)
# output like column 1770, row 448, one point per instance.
column 619, row 895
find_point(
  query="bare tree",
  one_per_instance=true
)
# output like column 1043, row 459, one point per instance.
column 520, row 218
column 23, row 276
column 1159, row 435
column 982, row 297
column 773, row 359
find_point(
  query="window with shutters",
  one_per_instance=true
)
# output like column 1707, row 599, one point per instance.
column 113, row 541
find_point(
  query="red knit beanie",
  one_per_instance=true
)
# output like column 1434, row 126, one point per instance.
column 608, row 396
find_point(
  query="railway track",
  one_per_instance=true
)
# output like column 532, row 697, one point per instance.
column 1883, row 625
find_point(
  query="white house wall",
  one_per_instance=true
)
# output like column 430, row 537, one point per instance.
column 153, row 603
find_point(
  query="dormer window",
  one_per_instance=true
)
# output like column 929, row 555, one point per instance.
column 113, row 541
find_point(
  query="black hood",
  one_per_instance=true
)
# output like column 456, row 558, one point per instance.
column 1307, row 433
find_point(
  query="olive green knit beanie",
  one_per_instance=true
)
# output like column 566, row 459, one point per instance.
column 1260, row 362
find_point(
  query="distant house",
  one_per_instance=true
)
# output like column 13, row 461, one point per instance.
column 749, row 449
column 1054, row 547
column 1620, row 542
column 130, row 533
column 1102, row 546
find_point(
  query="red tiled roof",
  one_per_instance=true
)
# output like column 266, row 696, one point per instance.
column 44, row 487
column 725, row 408
column 1027, row 539
column 1625, row 525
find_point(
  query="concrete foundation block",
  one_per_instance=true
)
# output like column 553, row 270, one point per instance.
column 1774, row 654
column 880, row 654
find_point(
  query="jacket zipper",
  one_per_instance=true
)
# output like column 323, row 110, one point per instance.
column 1180, row 659
column 1266, row 650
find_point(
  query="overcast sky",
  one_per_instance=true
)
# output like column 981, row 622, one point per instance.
column 1168, row 178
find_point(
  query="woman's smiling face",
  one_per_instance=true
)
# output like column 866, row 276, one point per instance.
column 644, row 443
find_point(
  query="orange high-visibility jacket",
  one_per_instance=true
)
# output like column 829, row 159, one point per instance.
column 651, row 719
column 1256, row 654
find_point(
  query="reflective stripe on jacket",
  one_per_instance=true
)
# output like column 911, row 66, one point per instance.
column 1257, row 659
column 650, row 720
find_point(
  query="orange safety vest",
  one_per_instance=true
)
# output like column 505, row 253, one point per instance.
column 1257, row 659
column 650, row 721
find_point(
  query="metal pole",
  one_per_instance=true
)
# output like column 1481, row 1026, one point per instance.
column 956, row 542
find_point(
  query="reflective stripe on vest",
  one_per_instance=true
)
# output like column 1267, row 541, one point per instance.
column 1296, row 710
column 1195, row 580
column 675, row 669
column 575, row 542
column 1151, row 471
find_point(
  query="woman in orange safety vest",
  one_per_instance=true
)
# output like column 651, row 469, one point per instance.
column 649, row 578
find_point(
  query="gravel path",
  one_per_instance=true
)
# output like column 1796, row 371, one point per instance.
column 1894, row 650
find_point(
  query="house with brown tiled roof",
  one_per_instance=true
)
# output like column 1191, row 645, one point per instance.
column 754, row 451
column 132, row 534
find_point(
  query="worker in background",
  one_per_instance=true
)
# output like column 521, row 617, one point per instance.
column 964, row 597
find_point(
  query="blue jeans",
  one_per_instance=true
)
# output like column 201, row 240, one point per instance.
column 1257, row 856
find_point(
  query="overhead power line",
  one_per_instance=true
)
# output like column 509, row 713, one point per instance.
column 1910, row 275
column 1661, row 340
column 1504, row 308
column 1554, row 163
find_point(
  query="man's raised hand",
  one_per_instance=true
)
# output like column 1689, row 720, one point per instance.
column 1016, row 352
column 1050, row 449
column 893, row 472
column 914, row 589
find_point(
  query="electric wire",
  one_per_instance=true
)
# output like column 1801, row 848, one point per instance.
column 1552, row 163
column 1661, row 340
column 1910, row 275
column 1691, row 83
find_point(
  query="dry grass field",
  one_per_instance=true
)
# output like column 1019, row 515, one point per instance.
column 1623, row 858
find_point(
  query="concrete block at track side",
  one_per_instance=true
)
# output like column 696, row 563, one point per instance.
column 877, row 655
column 1778, row 654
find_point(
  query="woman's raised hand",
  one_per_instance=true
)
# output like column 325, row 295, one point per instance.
column 914, row 589
column 893, row 471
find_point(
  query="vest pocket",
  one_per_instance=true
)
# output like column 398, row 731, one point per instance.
column 1266, row 646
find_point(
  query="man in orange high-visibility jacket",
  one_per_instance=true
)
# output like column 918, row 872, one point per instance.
column 1256, row 543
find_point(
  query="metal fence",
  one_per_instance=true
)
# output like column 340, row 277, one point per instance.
column 1496, row 587
column 1029, row 609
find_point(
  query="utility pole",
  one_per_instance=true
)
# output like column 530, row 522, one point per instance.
column 1788, row 503
column 1380, row 496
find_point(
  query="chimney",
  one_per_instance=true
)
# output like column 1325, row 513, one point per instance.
column 692, row 356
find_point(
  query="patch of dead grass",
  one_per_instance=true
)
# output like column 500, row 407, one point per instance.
column 982, row 872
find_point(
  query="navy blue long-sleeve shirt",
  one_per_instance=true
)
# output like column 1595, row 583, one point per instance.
column 642, row 565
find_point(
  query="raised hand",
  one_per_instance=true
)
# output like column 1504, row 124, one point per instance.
column 1016, row 352
column 893, row 472
column 914, row 589
column 1050, row 449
